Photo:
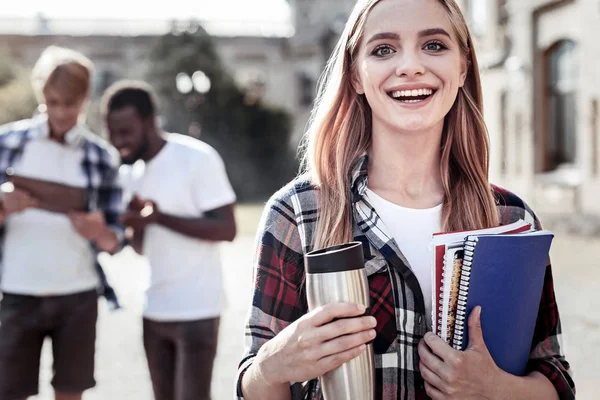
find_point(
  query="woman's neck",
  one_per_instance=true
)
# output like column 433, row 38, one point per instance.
column 404, row 168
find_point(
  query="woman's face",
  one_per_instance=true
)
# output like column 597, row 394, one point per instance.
column 409, row 65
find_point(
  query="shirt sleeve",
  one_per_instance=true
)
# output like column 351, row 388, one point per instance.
column 277, row 298
column 547, row 355
column 211, row 186
column 110, row 201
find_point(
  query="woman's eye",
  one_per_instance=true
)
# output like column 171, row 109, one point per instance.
column 383, row 51
column 434, row 46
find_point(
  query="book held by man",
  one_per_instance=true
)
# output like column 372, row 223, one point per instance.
column 51, row 196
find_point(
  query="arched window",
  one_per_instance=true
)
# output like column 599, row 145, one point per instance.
column 560, row 105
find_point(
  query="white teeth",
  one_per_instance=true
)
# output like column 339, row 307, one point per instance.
column 411, row 93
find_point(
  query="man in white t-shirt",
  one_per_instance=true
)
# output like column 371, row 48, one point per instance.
column 181, row 207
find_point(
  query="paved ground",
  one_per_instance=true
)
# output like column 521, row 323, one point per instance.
column 121, row 369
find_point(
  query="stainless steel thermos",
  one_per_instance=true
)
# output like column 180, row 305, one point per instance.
column 333, row 275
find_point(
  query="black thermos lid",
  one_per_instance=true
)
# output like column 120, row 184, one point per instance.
column 344, row 257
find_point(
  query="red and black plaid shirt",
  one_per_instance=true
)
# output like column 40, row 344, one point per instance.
column 285, row 235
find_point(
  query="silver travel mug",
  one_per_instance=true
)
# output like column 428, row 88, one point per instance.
column 337, row 275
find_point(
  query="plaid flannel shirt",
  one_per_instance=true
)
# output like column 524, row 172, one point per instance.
column 100, row 165
column 279, row 296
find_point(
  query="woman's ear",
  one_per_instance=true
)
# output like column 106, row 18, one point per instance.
column 464, row 70
column 356, row 84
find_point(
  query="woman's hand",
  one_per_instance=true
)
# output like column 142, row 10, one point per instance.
column 454, row 374
column 315, row 344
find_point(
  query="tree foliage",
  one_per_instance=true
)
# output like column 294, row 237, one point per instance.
column 252, row 138
column 17, row 100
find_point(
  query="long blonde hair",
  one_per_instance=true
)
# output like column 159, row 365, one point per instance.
column 340, row 132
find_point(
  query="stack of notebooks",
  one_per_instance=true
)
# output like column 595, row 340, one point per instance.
column 502, row 270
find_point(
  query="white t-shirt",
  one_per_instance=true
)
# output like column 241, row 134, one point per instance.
column 43, row 254
column 412, row 229
column 185, row 179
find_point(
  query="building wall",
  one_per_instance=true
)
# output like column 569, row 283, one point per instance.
column 575, row 188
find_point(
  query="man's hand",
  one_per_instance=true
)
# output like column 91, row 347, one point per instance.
column 454, row 374
column 16, row 200
column 89, row 225
column 135, row 239
column 141, row 214
column 92, row 227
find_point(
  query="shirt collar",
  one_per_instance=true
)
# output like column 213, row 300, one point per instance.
column 359, row 177
column 41, row 130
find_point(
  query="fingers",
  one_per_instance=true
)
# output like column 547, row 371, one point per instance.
column 430, row 377
column 475, row 333
column 327, row 313
column 430, row 360
column 335, row 360
column 439, row 347
column 127, row 217
column 136, row 203
column 147, row 210
column 345, row 326
column 349, row 330
column 17, row 200
column 433, row 392
column 346, row 342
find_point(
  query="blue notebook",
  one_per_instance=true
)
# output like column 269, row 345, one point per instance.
column 504, row 274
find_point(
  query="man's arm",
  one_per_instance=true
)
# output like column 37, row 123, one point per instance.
column 215, row 225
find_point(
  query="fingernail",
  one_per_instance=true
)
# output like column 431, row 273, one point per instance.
column 373, row 321
column 361, row 308
column 372, row 333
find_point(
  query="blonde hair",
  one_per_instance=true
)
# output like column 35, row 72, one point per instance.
column 62, row 69
column 340, row 132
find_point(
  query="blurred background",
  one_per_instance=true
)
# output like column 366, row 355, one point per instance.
column 241, row 75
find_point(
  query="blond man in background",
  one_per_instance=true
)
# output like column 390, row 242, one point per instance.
column 50, row 278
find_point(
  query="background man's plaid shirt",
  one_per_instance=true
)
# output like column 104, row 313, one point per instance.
column 279, row 298
column 100, row 165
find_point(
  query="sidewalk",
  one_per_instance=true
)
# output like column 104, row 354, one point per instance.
column 121, row 368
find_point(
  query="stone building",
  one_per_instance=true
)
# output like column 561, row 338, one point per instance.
column 540, row 62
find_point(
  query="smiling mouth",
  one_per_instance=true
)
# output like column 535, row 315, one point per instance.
column 411, row 96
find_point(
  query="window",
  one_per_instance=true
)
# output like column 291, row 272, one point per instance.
column 307, row 90
column 477, row 14
column 561, row 81
column 503, row 12
column 594, row 132
column 519, row 143
column 503, row 131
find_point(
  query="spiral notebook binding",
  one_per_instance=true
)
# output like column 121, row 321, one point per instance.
column 454, row 277
column 461, row 312
column 440, row 308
